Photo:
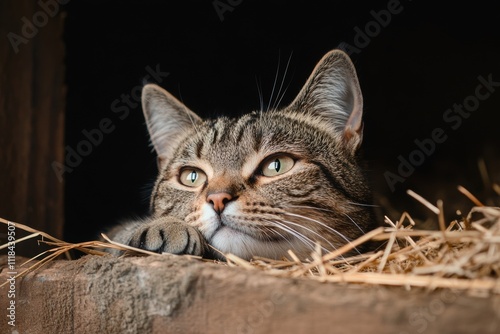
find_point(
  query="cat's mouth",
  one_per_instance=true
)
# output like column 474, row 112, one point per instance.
column 234, row 226
column 226, row 230
column 246, row 240
column 228, row 227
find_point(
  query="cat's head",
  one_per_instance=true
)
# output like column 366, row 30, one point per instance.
column 266, row 182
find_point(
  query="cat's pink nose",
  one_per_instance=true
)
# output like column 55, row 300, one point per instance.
column 219, row 201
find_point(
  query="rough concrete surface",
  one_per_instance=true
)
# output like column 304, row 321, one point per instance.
column 172, row 294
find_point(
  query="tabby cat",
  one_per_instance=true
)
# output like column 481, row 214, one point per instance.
column 262, row 183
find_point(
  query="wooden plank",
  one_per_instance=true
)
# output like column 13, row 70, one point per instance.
column 32, row 99
column 172, row 294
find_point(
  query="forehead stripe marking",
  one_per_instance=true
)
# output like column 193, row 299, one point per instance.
column 243, row 126
column 225, row 127
column 215, row 134
column 199, row 148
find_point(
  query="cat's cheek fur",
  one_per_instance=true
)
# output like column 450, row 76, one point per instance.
column 208, row 222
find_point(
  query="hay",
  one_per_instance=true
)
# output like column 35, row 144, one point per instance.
column 462, row 255
column 62, row 248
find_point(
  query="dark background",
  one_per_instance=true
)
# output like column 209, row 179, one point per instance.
column 426, row 59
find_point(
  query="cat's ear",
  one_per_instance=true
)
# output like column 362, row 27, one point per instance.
column 167, row 119
column 332, row 95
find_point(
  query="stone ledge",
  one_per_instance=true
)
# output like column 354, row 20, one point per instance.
column 171, row 294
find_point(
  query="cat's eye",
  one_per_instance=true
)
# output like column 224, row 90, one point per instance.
column 277, row 165
column 192, row 177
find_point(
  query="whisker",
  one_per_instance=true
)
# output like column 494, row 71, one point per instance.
column 299, row 236
column 364, row 204
column 308, row 242
column 324, row 225
column 355, row 224
column 322, row 209
column 308, row 207
column 278, row 98
column 266, row 230
column 275, row 80
column 282, row 236
column 313, row 232
column 284, row 93
column 261, row 97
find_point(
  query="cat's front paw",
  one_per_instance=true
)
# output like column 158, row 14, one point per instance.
column 169, row 236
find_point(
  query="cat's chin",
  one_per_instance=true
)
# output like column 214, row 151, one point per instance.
column 229, row 240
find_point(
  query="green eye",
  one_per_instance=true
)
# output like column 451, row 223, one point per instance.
column 192, row 177
column 277, row 165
